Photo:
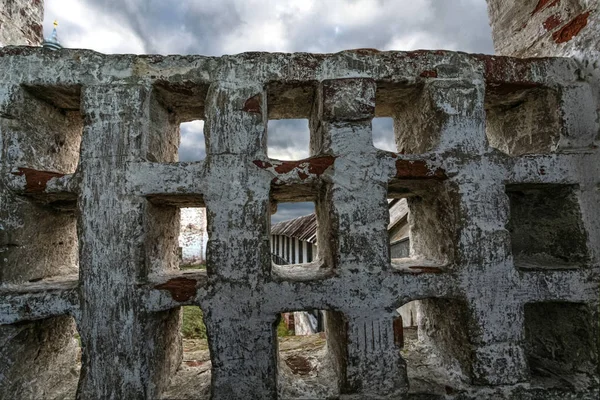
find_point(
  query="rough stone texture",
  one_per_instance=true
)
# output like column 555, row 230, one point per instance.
column 551, row 28
column 21, row 22
column 462, row 182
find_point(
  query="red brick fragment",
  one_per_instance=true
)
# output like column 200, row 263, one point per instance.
column 181, row 289
column 302, row 175
column 572, row 29
column 429, row 74
column 409, row 169
column 316, row 165
column 252, row 105
column 552, row 22
column 36, row 181
column 299, row 365
column 398, row 332
column 262, row 164
column 194, row 363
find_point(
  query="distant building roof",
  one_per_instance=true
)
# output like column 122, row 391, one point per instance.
column 305, row 227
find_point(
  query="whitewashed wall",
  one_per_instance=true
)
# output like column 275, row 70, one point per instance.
column 193, row 236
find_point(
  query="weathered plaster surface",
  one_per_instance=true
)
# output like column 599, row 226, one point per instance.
column 21, row 22
column 456, row 164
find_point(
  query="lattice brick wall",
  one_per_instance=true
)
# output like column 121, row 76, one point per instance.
column 497, row 157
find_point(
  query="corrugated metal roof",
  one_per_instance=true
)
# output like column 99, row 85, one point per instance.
column 398, row 210
column 303, row 228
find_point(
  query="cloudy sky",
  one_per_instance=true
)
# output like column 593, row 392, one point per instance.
column 217, row 27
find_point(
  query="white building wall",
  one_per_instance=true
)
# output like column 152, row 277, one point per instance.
column 193, row 236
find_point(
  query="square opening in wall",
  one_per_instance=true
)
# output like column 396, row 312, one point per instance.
column 514, row 118
column 306, row 368
column 193, row 238
column 422, row 229
column 192, row 146
column 433, row 337
column 192, row 379
column 288, row 139
column 546, row 228
column 561, row 344
column 294, row 234
column 383, row 134
column 399, row 228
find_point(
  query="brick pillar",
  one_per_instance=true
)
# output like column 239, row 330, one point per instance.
column 128, row 353
column 242, row 338
column 36, row 240
column 357, row 219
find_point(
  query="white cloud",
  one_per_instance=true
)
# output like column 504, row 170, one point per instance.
column 86, row 28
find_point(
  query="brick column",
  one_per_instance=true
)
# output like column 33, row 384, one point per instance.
column 242, row 338
column 128, row 353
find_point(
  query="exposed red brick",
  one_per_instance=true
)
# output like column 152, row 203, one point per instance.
column 194, row 363
column 429, row 74
column 426, row 270
column 302, row 175
column 572, row 29
column 181, row 289
column 262, row 164
column 252, row 105
column 398, row 332
column 552, row 22
column 316, row 165
column 299, row 365
column 36, row 181
column 544, row 4
column 408, row 169
column 365, row 51
column 506, row 69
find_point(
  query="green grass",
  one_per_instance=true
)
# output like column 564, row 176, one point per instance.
column 282, row 330
column 193, row 323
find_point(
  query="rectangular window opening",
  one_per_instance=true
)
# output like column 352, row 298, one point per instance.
column 288, row 139
column 561, row 343
column 305, row 361
column 192, row 146
column 432, row 335
column 196, row 361
column 399, row 228
column 421, row 229
column 193, row 238
column 294, row 233
column 383, row 134
column 546, row 227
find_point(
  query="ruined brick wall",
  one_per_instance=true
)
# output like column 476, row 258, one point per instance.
column 21, row 22
column 545, row 28
column 498, row 158
column 549, row 28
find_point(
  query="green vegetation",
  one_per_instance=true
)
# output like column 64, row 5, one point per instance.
column 193, row 323
column 282, row 330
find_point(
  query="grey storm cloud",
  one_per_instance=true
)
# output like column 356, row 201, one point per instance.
column 216, row 27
